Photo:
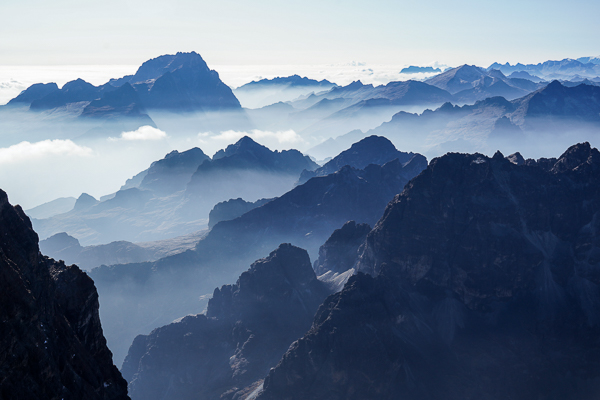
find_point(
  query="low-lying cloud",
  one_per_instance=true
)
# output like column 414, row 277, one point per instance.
column 26, row 151
column 145, row 132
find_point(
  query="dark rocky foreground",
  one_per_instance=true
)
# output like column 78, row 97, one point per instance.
column 482, row 282
column 51, row 341
column 246, row 329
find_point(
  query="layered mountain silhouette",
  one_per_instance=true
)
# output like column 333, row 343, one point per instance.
column 180, row 84
column 469, row 83
column 479, row 280
column 305, row 216
column 52, row 344
column 556, row 112
column 416, row 69
column 245, row 169
column 270, row 91
column 65, row 247
column 246, row 329
column 172, row 173
column 174, row 196
column 560, row 69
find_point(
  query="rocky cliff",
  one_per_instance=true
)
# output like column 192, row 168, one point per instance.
column 483, row 282
column 246, row 329
column 51, row 341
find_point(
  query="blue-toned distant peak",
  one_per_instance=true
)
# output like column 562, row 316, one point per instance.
column 34, row 92
column 587, row 60
column 293, row 81
column 156, row 67
column 413, row 69
column 244, row 145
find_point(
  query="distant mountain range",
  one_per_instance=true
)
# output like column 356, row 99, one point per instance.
column 469, row 83
column 174, row 195
column 264, row 92
column 563, row 69
column 181, row 83
column 556, row 112
column 414, row 70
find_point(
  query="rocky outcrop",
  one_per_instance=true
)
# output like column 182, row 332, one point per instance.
column 246, row 329
column 340, row 252
column 51, row 346
column 486, row 285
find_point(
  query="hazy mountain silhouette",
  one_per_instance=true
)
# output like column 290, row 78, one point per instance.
column 555, row 112
column 305, row 216
column 469, row 83
column 34, row 92
column 563, row 69
column 370, row 150
column 415, row 70
column 269, row 91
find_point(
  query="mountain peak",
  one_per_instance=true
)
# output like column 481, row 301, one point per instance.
column 84, row 201
column 244, row 145
column 578, row 156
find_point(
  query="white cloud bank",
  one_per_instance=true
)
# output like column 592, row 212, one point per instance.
column 25, row 151
column 145, row 132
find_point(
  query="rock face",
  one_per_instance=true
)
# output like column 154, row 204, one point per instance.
column 246, row 329
column 340, row 252
column 486, row 286
column 370, row 150
column 51, row 346
column 185, row 84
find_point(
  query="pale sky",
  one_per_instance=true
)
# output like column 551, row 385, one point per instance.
column 262, row 32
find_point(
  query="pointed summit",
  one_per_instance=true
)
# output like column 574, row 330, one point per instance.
column 244, row 145
column 84, row 202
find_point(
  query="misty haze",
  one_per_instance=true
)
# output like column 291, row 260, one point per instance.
column 279, row 201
